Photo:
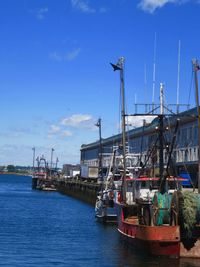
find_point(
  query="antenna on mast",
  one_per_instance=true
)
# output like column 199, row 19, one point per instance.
column 154, row 72
column 178, row 77
column 145, row 81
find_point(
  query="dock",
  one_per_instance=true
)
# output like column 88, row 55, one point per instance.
column 82, row 190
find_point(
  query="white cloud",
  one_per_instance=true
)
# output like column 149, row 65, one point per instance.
column 76, row 119
column 83, row 6
column 55, row 56
column 54, row 129
column 79, row 120
column 69, row 56
column 70, row 126
column 66, row 133
column 72, row 54
column 137, row 121
column 151, row 5
column 40, row 13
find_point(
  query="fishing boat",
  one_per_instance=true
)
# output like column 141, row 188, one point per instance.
column 105, row 210
column 156, row 214
column 43, row 176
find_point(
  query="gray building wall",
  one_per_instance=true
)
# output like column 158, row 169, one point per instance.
column 185, row 150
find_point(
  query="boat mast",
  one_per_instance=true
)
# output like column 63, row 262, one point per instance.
column 51, row 166
column 121, row 62
column 120, row 66
column 161, row 146
column 161, row 98
column 154, row 73
column 196, row 68
column 57, row 163
column 33, row 160
column 178, row 78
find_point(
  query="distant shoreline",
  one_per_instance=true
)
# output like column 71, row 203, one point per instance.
column 16, row 173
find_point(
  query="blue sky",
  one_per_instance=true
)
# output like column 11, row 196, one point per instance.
column 55, row 78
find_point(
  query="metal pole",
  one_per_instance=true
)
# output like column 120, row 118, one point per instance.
column 154, row 73
column 161, row 98
column 195, row 69
column 98, row 124
column 161, row 161
column 178, row 78
column 100, row 151
column 51, row 161
column 56, row 163
column 121, row 64
column 161, row 146
column 33, row 160
column 38, row 164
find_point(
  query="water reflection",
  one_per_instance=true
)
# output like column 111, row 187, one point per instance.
column 130, row 257
column 49, row 229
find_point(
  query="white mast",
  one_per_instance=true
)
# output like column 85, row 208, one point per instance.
column 154, row 73
column 120, row 66
column 145, row 82
column 161, row 98
column 178, row 77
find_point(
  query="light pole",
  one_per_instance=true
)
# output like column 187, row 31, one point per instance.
column 98, row 124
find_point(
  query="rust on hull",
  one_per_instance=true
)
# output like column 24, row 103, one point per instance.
column 159, row 240
column 155, row 240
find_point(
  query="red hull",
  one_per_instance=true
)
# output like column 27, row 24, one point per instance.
column 154, row 240
column 158, row 240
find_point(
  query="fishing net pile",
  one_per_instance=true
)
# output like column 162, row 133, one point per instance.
column 189, row 205
column 186, row 204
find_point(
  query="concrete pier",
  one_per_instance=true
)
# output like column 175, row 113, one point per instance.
column 82, row 190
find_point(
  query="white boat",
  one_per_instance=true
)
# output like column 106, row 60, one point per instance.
column 105, row 210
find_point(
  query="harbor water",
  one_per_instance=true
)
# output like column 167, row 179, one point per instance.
column 49, row 229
